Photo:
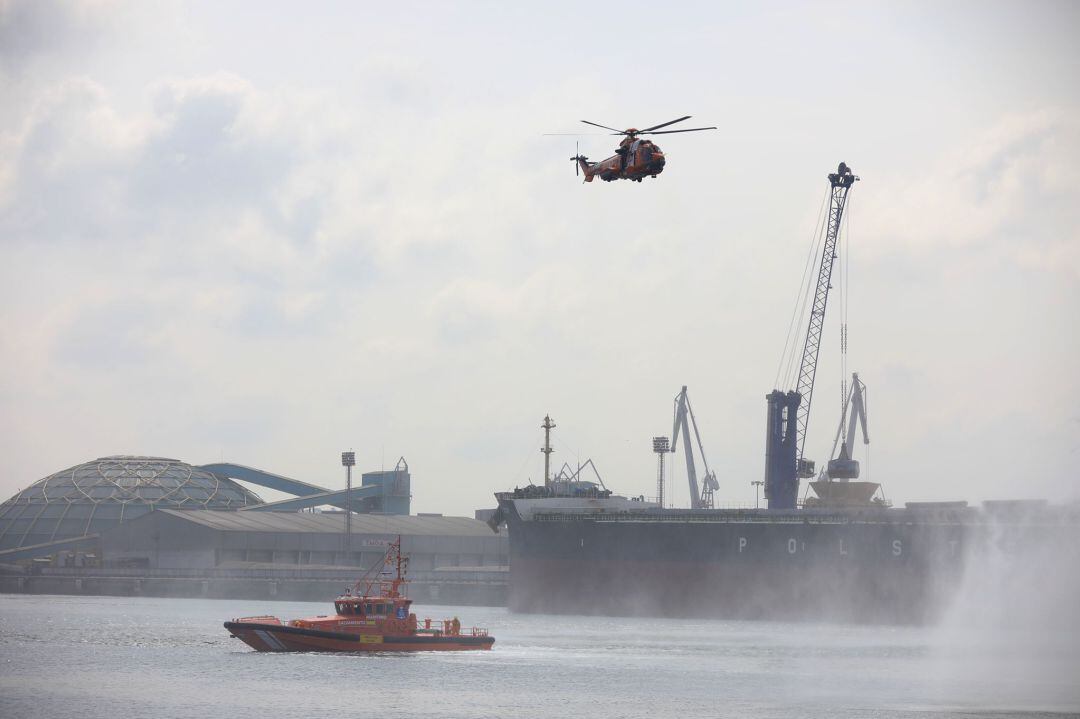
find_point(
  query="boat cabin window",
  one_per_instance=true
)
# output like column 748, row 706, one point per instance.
column 368, row 608
column 380, row 609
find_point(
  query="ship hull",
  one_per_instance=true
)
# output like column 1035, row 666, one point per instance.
column 280, row 638
column 879, row 566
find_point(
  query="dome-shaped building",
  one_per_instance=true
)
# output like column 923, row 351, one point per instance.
column 96, row 495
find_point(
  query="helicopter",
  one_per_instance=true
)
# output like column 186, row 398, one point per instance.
column 634, row 159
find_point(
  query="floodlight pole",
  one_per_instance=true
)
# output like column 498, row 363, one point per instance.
column 660, row 445
column 348, row 461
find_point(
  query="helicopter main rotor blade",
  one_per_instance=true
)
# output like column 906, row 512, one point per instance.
column 572, row 134
column 620, row 132
column 665, row 124
column 672, row 132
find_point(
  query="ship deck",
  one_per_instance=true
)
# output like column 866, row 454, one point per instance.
column 761, row 516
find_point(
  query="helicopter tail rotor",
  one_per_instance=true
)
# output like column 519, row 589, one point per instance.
column 582, row 166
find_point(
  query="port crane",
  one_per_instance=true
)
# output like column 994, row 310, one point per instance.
column 838, row 484
column 684, row 420
column 789, row 412
column 842, row 467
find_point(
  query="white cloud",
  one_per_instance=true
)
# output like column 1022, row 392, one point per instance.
column 1006, row 190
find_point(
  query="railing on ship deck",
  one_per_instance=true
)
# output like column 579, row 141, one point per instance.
column 801, row 516
column 449, row 630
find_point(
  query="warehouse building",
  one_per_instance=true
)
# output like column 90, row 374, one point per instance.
column 137, row 525
column 207, row 539
column 95, row 496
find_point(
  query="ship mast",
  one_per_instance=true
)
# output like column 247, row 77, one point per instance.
column 548, row 425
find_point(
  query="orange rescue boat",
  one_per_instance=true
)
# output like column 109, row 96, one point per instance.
column 373, row 616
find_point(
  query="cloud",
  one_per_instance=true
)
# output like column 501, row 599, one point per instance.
column 31, row 30
column 1007, row 191
column 79, row 170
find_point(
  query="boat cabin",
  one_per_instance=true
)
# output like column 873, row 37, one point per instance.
column 373, row 607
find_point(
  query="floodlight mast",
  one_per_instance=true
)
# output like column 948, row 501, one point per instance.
column 660, row 446
column 348, row 461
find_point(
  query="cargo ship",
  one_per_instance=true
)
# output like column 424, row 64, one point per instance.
column 844, row 554
column 607, row 555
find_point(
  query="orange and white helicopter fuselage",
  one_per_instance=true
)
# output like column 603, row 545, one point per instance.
column 635, row 159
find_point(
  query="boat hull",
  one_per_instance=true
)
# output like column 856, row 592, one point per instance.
column 281, row 638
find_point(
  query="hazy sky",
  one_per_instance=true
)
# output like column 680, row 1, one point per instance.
column 268, row 232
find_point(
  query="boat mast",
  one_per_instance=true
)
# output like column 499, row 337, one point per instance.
column 401, row 564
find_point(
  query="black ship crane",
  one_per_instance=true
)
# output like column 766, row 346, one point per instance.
column 789, row 412
column 684, row 420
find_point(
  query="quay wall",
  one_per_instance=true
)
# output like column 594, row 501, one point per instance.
column 459, row 590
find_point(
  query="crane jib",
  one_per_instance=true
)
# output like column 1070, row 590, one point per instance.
column 841, row 182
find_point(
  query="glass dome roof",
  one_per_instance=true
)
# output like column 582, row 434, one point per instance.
column 94, row 496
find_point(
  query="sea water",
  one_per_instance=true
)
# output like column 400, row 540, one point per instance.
column 86, row 657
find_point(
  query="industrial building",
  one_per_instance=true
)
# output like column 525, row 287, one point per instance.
column 152, row 525
column 205, row 539
column 98, row 495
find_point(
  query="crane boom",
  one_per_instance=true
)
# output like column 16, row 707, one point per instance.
column 841, row 182
column 858, row 409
